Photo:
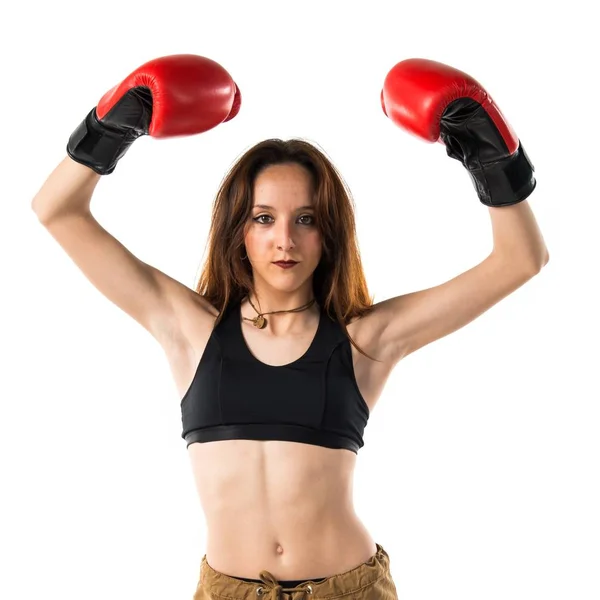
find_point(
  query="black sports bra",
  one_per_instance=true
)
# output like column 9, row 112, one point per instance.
column 312, row 400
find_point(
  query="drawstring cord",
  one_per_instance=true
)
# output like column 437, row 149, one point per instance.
column 272, row 585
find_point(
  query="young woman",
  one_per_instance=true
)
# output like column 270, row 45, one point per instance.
column 280, row 365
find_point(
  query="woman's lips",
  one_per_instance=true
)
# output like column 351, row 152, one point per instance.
column 285, row 265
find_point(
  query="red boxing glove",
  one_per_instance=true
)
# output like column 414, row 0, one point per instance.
column 439, row 103
column 174, row 95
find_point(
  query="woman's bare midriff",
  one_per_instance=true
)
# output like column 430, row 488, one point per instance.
column 281, row 506
column 284, row 507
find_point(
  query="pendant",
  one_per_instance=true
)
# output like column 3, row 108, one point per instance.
column 260, row 322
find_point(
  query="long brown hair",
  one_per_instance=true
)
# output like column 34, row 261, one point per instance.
column 339, row 284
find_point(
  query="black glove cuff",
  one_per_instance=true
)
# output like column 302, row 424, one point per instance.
column 98, row 146
column 508, row 181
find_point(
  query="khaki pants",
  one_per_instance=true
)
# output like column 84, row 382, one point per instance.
column 370, row 581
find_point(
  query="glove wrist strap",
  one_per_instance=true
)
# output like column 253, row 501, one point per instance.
column 508, row 181
column 98, row 146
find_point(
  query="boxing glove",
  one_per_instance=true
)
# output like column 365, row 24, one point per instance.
column 175, row 95
column 439, row 103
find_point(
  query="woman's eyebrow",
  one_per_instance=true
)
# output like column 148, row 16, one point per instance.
column 273, row 208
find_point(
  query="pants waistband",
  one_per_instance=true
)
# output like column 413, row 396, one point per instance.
column 270, row 589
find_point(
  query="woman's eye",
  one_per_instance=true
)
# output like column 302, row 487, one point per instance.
column 257, row 219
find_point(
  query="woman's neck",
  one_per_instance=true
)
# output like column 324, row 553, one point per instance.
column 282, row 323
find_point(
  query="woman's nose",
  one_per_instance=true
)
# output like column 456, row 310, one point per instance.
column 283, row 235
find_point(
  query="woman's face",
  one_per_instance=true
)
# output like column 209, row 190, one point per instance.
column 283, row 227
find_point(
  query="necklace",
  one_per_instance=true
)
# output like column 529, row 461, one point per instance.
column 260, row 321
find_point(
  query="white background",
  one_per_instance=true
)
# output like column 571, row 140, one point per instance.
column 480, row 470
